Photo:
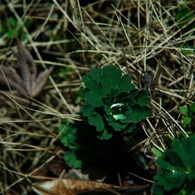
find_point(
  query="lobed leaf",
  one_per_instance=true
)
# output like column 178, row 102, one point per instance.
column 187, row 120
column 95, row 88
column 87, row 110
column 183, row 109
column 80, row 143
column 143, row 98
column 97, row 121
column 112, row 75
column 125, row 84
column 104, row 135
column 177, row 167
column 138, row 114
column 72, row 160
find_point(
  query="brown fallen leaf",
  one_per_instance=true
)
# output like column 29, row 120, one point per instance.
column 25, row 79
column 74, row 187
column 70, row 187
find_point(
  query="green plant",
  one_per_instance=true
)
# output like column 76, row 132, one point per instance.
column 113, row 102
column 185, row 18
column 113, row 105
column 80, row 142
column 177, row 173
column 84, row 149
column 189, row 116
column 11, row 27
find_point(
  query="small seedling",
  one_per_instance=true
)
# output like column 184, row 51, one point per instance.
column 189, row 116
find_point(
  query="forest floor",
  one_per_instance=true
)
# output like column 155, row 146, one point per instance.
column 152, row 41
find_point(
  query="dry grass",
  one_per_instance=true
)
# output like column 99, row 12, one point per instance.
column 137, row 36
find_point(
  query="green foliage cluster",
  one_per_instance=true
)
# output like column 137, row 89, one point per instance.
column 80, row 142
column 177, row 173
column 113, row 102
column 189, row 116
column 113, row 105
column 185, row 18
column 11, row 27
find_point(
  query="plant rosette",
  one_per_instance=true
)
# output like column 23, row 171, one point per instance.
column 113, row 102
column 177, row 173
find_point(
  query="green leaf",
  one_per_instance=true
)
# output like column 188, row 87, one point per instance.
column 68, row 135
column 11, row 27
column 105, row 135
column 80, row 142
column 173, row 158
column 156, row 152
column 72, row 160
column 95, row 88
column 130, row 128
column 143, row 98
column 181, row 149
column 113, row 76
column 187, row 120
column 170, row 177
column 187, row 49
column 189, row 148
column 138, row 114
column 125, row 84
column 177, row 166
column 183, row 109
column 87, row 110
column 92, row 99
column 116, row 125
column 93, row 74
column 192, row 108
column 97, row 121
column 184, row 16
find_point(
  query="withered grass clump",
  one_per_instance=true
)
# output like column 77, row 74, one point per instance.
column 142, row 38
